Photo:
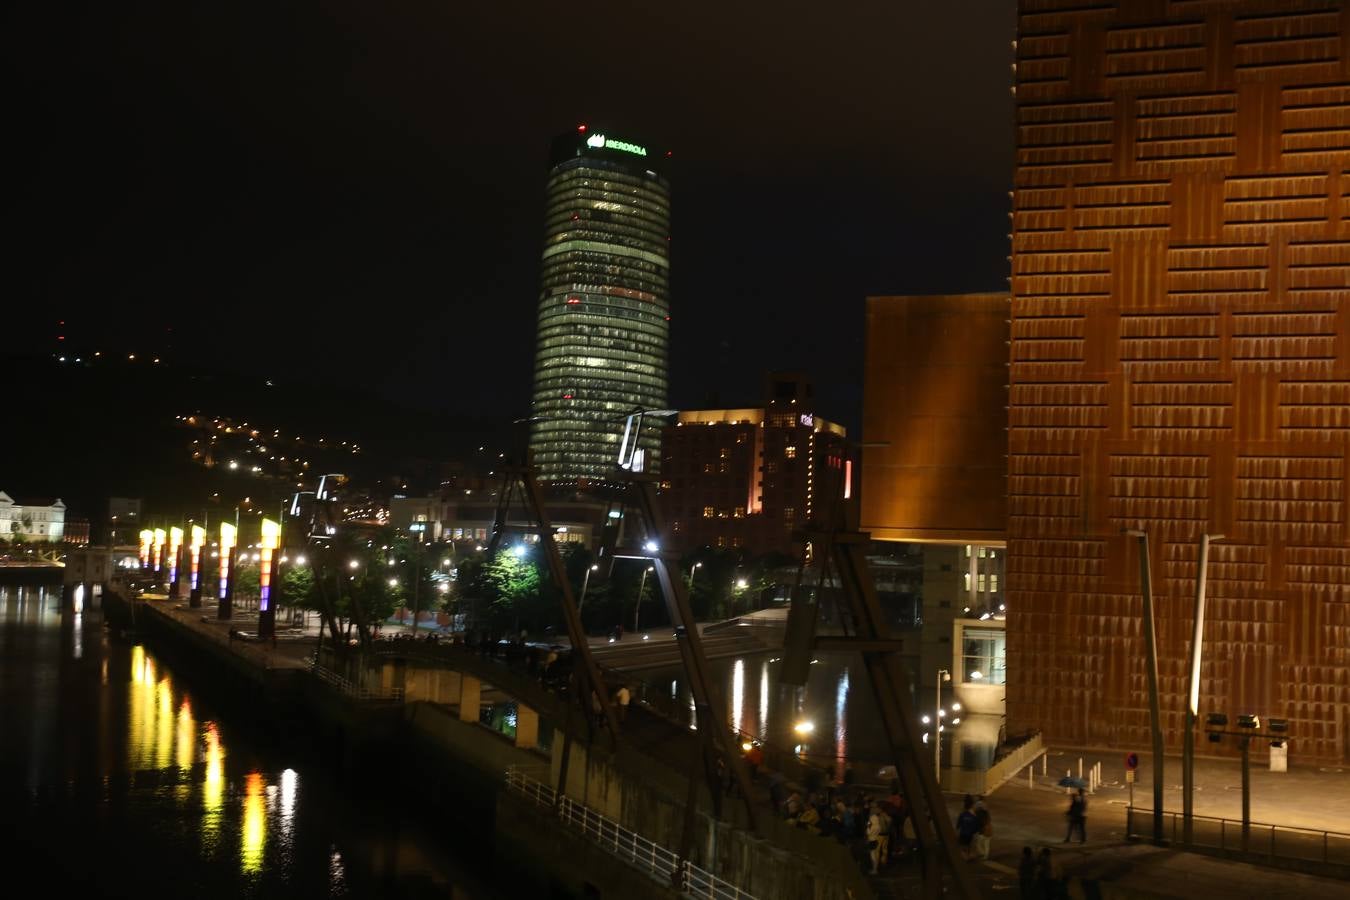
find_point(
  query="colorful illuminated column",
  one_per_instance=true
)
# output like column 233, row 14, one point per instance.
column 157, row 551
column 228, row 536
column 175, row 558
column 195, row 572
column 147, row 539
column 269, row 576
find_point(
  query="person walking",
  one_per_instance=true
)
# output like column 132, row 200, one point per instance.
column 622, row 697
column 1077, row 816
column 1047, row 879
column 1026, row 875
column 985, row 830
column 966, row 826
column 874, row 832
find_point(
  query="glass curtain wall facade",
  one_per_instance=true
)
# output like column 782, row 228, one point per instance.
column 604, row 315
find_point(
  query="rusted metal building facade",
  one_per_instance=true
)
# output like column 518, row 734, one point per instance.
column 1180, row 276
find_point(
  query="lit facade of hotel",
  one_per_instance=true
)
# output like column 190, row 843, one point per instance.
column 604, row 315
column 746, row 479
column 1180, row 286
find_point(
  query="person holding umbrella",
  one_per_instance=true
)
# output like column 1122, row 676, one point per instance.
column 1077, row 815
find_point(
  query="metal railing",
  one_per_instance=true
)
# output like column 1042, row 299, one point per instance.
column 355, row 691
column 663, row 865
column 1261, row 839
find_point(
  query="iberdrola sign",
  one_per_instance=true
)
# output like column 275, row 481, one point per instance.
column 600, row 142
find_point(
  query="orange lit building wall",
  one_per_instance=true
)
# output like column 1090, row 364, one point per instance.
column 1180, row 275
column 934, row 417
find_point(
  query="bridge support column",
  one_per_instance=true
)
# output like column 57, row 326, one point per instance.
column 470, row 698
column 527, row 727
column 447, row 686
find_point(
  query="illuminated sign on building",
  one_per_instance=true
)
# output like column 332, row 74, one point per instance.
column 600, row 142
column 271, row 540
column 808, row 419
column 227, row 538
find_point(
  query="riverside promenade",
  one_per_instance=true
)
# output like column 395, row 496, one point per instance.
column 1107, row 865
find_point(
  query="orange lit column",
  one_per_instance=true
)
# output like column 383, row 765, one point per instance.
column 157, row 550
column 195, row 566
column 268, row 578
column 225, row 599
column 147, row 538
column 175, row 560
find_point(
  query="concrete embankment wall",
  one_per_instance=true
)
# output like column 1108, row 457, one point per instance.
column 783, row 863
column 443, row 770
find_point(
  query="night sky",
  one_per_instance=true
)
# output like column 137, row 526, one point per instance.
column 370, row 177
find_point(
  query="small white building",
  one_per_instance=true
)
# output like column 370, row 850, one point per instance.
column 32, row 521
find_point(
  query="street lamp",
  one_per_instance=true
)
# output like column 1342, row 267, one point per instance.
column 585, row 583
column 638, row 605
column 1248, row 727
column 942, row 675
column 1193, row 700
column 1151, row 670
column 696, row 566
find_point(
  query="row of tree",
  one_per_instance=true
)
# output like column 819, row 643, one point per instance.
column 357, row 582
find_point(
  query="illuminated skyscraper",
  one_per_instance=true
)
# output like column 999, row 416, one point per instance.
column 604, row 315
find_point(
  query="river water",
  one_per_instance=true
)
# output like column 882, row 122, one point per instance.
column 118, row 778
column 832, row 720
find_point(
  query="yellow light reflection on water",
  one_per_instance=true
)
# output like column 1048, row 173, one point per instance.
column 213, row 787
column 187, row 737
column 255, row 824
column 163, row 729
column 140, row 711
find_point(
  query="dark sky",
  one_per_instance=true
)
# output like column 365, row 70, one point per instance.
column 370, row 176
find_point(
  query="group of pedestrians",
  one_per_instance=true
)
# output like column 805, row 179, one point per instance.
column 877, row 829
column 974, row 828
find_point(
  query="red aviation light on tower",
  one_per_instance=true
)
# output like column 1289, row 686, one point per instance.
column 581, row 129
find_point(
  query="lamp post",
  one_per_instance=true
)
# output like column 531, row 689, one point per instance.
column 942, row 675
column 585, row 583
column 1249, row 726
column 696, row 566
column 1193, row 698
column 1151, row 671
column 638, row 605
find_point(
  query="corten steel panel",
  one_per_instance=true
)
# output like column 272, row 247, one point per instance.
column 1181, row 270
column 934, row 413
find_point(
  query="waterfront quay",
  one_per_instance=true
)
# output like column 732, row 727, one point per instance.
column 485, row 733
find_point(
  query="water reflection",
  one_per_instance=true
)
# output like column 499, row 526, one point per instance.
column 738, row 695
column 836, row 708
column 254, row 831
column 213, row 788
column 108, row 751
column 841, row 722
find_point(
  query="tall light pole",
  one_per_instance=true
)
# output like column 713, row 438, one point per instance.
column 942, row 675
column 692, row 569
column 585, row 582
column 638, row 605
column 1151, row 664
column 1193, row 699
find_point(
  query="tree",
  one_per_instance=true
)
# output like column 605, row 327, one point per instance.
column 298, row 590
